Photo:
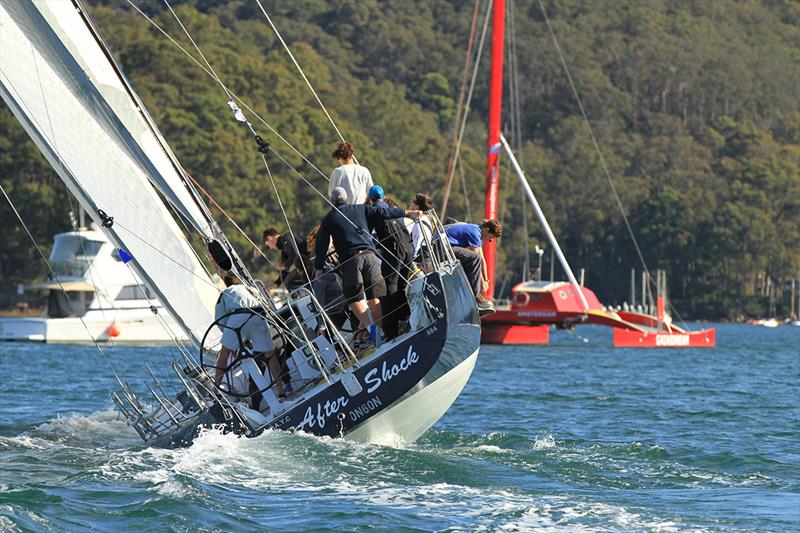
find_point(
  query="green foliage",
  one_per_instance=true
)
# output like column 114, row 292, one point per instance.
column 694, row 105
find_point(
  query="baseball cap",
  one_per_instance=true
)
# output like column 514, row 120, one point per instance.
column 375, row 192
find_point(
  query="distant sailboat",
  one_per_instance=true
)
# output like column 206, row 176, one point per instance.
column 537, row 304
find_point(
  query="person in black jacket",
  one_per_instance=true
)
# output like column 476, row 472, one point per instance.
column 349, row 227
column 293, row 253
column 394, row 246
column 397, row 254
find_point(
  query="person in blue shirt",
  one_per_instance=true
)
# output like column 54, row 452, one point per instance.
column 467, row 241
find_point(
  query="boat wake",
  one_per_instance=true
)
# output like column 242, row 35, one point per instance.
column 104, row 429
column 478, row 481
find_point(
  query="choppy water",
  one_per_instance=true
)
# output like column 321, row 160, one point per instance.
column 575, row 436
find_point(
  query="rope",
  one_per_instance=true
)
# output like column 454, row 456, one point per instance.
column 469, row 98
column 227, row 216
column 296, row 64
column 460, row 106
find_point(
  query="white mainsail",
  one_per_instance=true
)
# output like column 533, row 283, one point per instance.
column 57, row 80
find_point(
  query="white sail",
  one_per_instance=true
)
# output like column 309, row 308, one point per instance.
column 57, row 80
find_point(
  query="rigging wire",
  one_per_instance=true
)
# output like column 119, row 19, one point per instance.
column 159, row 318
column 296, row 64
column 469, row 96
column 464, row 188
column 227, row 90
column 188, row 35
column 516, row 123
column 239, row 116
column 272, row 149
column 55, row 276
column 591, row 134
column 460, row 106
column 285, row 217
column 597, row 149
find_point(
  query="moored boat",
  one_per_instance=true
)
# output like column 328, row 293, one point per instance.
column 92, row 296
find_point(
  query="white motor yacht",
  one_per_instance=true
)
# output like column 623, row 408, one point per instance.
column 92, row 296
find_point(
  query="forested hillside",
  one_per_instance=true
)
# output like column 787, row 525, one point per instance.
column 695, row 105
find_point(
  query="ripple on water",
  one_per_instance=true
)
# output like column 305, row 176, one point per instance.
column 567, row 438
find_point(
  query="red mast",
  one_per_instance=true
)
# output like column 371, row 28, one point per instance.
column 494, row 147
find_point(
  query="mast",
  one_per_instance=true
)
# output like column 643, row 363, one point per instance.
column 494, row 146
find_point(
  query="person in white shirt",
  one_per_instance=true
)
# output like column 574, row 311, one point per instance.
column 421, row 229
column 239, row 327
column 352, row 177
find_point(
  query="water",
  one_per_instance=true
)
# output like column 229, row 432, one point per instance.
column 575, row 436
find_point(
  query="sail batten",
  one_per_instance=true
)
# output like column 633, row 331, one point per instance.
column 57, row 80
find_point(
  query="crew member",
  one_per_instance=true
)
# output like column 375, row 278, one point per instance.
column 466, row 240
column 352, row 177
column 294, row 255
column 240, row 327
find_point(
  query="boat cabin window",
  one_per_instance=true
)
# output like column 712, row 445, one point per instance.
column 135, row 292
column 72, row 255
column 62, row 304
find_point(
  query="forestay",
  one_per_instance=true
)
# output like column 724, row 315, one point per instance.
column 58, row 81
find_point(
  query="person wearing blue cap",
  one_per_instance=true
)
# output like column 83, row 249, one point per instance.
column 349, row 175
column 396, row 253
column 394, row 242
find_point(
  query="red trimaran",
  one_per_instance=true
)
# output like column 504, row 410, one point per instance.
column 536, row 305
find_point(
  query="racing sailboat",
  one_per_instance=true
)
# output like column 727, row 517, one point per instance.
column 61, row 82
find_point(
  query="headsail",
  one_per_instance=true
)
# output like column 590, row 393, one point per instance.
column 56, row 78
